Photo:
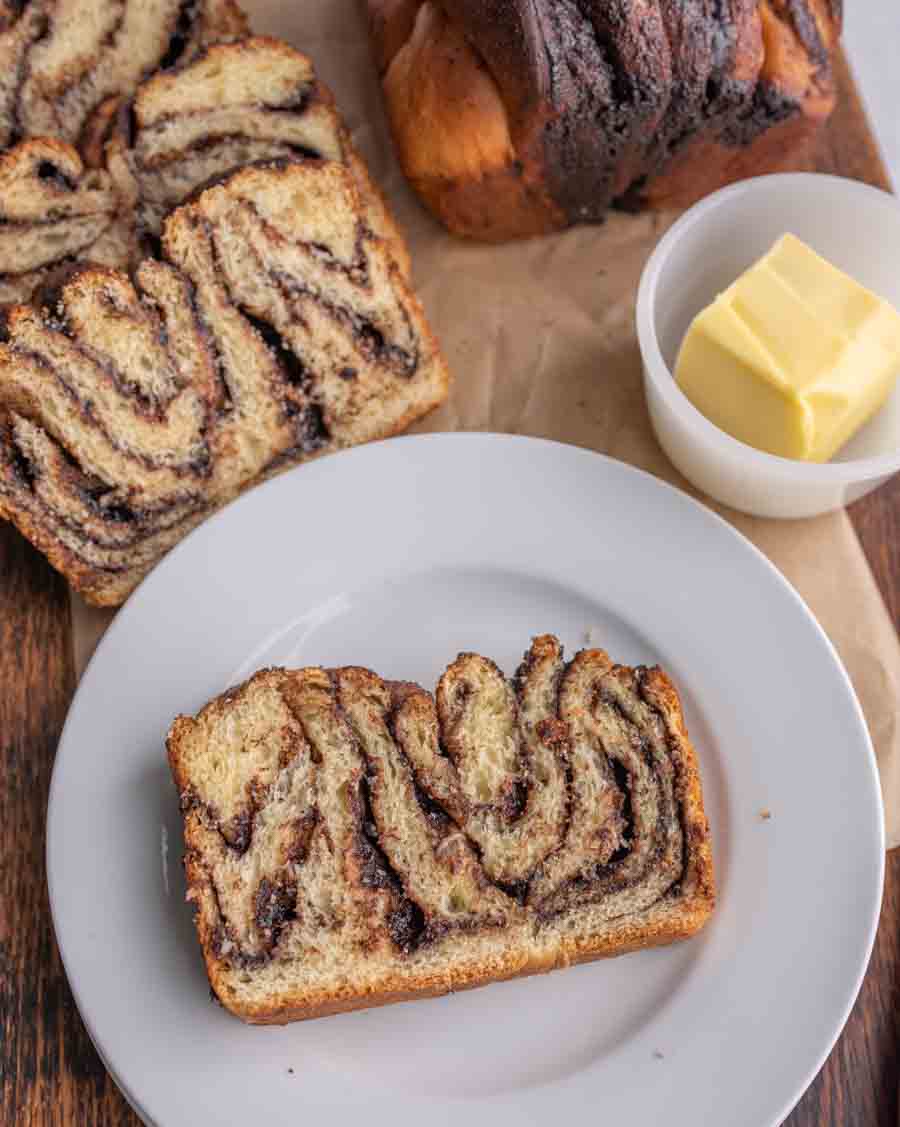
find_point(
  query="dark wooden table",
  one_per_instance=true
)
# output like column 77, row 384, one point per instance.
column 49, row 1072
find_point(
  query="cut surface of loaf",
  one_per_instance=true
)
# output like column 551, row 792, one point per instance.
column 352, row 841
column 227, row 103
column 518, row 117
column 59, row 60
column 232, row 104
column 273, row 327
column 51, row 207
column 64, row 65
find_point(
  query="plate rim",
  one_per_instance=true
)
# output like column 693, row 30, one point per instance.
column 462, row 437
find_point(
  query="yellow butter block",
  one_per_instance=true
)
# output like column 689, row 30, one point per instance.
column 794, row 357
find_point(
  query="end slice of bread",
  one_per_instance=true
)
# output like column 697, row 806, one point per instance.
column 352, row 841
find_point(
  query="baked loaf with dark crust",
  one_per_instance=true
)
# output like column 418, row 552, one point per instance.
column 273, row 327
column 519, row 117
column 352, row 841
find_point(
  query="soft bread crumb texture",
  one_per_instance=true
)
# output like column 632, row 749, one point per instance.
column 200, row 284
column 352, row 841
column 520, row 118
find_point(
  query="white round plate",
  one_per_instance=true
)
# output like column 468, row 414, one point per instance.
column 397, row 556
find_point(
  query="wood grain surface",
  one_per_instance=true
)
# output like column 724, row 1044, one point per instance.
column 859, row 1083
column 49, row 1072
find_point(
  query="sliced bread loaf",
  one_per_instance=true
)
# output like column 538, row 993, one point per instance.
column 274, row 327
column 59, row 59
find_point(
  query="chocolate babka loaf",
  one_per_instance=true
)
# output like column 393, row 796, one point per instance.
column 274, row 326
column 352, row 841
column 60, row 64
column 518, row 117
column 233, row 104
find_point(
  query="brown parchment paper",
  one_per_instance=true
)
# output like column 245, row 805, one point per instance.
column 540, row 338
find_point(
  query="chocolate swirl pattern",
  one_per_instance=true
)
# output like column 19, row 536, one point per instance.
column 352, row 841
column 64, row 66
column 275, row 326
column 518, row 117
column 266, row 318
column 232, row 105
column 59, row 59
column 51, row 207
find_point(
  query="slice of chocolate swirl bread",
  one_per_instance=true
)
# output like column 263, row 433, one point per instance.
column 275, row 326
column 50, row 208
column 224, row 106
column 352, row 841
column 233, row 104
column 59, row 59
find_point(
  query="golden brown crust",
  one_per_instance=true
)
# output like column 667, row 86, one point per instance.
column 391, row 23
column 692, row 917
column 576, row 950
column 699, row 848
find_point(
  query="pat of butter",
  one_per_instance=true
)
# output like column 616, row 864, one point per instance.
column 794, row 357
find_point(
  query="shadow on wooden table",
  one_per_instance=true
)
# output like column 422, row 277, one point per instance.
column 49, row 1071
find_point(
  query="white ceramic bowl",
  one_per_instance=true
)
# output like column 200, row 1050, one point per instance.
column 852, row 225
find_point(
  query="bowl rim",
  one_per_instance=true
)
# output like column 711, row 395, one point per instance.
column 658, row 372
